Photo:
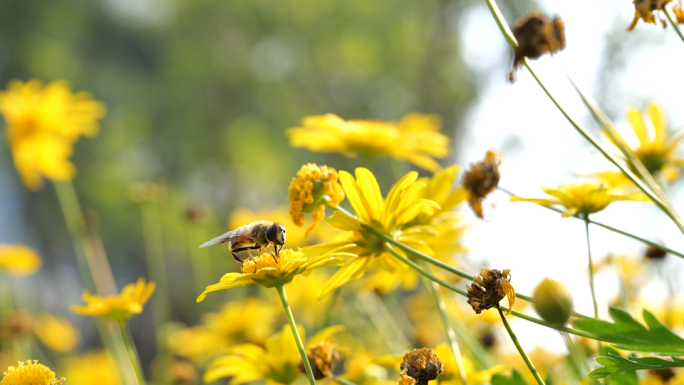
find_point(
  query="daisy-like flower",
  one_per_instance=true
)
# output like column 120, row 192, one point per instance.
column 416, row 138
column 582, row 199
column 451, row 375
column 56, row 333
column 482, row 178
column 270, row 273
column 310, row 190
column 95, row 367
column 536, row 34
column 19, row 260
column 43, row 123
column 656, row 148
column 489, row 288
column 31, row 373
column 391, row 216
column 277, row 363
column 117, row 307
column 643, row 9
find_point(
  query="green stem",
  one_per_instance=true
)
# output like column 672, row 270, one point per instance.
column 503, row 26
column 451, row 334
column 591, row 271
column 73, row 215
column 430, row 259
column 343, row 381
column 132, row 354
column 464, row 293
column 646, row 241
column 295, row 333
column 524, row 356
column 674, row 24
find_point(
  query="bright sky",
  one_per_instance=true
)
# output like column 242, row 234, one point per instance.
column 542, row 148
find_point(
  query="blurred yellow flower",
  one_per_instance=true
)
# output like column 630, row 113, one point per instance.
column 416, row 138
column 117, row 307
column 643, row 9
column 656, row 148
column 43, row 123
column 310, row 190
column 404, row 203
column 269, row 273
column 678, row 10
column 451, row 375
column 56, row 333
column 29, row 373
column 196, row 343
column 546, row 362
column 582, row 199
column 95, row 367
column 667, row 376
column 19, row 260
column 277, row 363
column 302, row 294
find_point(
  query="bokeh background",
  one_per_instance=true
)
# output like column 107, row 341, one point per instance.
column 199, row 95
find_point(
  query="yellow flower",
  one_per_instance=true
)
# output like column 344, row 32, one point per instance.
column 117, row 307
column 656, row 148
column 197, row 343
column 667, row 376
column 643, row 9
column 416, row 138
column 302, row 294
column 30, row 373
column 277, row 363
column 582, row 199
column 404, row 203
column 57, row 334
column 96, row 367
column 489, row 288
column 269, row 273
column 19, row 260
column 679, row 12
column 451, row 375
column 43, row 123
column 310, row 190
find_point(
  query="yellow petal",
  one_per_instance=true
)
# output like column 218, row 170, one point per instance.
column 351, row 271
column 325, row 334
column 659, row 123
column 343, row 221
column 636, row 119
column 371, row 191
column 355, row 196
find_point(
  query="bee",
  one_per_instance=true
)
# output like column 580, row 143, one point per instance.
column 254, row 236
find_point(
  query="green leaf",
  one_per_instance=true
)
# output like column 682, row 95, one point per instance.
column 614, row 363
column 628, row 334
column 516, row 379
column 620, row 378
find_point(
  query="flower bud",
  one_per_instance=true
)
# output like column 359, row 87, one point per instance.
column 552, row 301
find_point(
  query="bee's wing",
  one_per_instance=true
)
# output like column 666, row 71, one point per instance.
column 218, row 240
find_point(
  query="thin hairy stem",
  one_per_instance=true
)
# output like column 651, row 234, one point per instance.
column 132, row 353
column 295, row 333
column 524, row 356
column 591, row 270
column 674, row 24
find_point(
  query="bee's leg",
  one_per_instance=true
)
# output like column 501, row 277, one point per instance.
column 249, row 249
column 275, row 247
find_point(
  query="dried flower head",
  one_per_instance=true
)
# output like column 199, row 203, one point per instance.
column 422, row 365
column 404, row 379
column 664, row 375
column 536, row 35
column 30, row 373
column 489, row 288
column 310, row 190
column 323, row 357
column 655, row 254
column 482, row 179
column 18, row 325
column 643, row 9
column 183, row 373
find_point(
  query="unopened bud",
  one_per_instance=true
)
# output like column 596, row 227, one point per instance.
column 552, row 301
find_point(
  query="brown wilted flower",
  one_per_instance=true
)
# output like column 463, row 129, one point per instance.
column 489, row 288
column 422, row 365
column 322, row 357
column 183, row 373
column 679, row 12
column 404, row 379
column 654, row 253
column 665, row 374
column 196, row 213
column 643, row 9
column 18, row 325
column 536, row 35
column 482, row 179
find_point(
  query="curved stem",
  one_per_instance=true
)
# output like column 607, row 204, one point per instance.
column 674, row 23
column 295, row 333
column 464, row 293
column 613, row 229
column 132, row 354
column 591, row 270
column 524, row 356
column 451, row 334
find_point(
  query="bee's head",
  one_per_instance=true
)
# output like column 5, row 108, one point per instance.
column 276, row 233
